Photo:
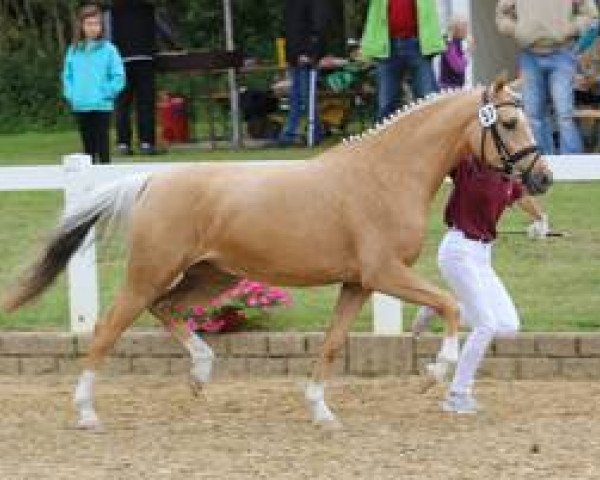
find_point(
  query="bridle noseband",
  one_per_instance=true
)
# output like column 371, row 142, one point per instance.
column 488, row 119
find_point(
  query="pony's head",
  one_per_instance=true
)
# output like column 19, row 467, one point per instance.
column 501, row 137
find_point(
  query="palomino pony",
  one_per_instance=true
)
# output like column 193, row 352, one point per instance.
column 355, row 215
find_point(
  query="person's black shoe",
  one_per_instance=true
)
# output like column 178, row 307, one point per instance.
column 148, row 149
column 290, row 141
column 124, row 149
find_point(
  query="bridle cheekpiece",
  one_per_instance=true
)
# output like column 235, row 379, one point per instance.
column 488, row 119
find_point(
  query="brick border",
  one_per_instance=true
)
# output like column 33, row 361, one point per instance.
column 527, row 356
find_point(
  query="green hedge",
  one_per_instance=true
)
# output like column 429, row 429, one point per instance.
column 30, row 92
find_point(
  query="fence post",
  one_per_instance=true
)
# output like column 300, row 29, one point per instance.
column 387, row 314
column 81, row 272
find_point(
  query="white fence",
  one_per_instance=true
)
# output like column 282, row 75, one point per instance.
column 76, row 177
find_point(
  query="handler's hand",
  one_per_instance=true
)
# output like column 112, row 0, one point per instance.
column 539, row 229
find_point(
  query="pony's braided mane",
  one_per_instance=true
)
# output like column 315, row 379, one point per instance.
column 403, row 112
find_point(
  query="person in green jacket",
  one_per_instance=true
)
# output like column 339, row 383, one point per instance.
column 402, row 36
column 93, row 75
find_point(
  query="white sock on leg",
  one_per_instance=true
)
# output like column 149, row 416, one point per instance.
column 202, row 358
column 84, row 400
column 449, row 351
column 315, row 396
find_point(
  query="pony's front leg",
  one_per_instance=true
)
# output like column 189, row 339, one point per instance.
column 350, row 300
column 398, row 280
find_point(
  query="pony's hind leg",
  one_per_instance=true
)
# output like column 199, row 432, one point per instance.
column 350, row 300
column 199, row 284
column 144, row 282
column 121, row 314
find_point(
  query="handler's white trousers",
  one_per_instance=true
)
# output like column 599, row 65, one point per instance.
column 486, row 306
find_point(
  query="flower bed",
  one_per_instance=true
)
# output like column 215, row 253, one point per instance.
column 228, row 311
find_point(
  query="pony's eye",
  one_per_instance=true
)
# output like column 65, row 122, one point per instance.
column 510, row 124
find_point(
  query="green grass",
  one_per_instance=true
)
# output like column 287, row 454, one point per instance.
column 555, row 282
column 48, row 148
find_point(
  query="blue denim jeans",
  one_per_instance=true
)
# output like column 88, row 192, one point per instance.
column 552, row 77
column 298, row 101
column 405, row 58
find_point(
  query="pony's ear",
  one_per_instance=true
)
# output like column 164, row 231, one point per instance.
column 513, row 88
column 515, row 84
column 499, row 83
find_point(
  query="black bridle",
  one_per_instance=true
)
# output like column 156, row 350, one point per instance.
column 488, row 118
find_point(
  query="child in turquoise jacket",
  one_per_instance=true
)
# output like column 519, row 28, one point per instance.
column 93, row 76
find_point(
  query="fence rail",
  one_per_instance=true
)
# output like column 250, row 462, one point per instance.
column 77, row 176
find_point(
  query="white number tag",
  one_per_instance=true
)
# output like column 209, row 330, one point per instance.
column 488, row 115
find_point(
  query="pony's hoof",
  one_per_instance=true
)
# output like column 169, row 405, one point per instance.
column 88, row 420
column 438, row 371
column 435, row 374
column 90, row 424
column 195, row 387
column 323, row 416
column 328, row 424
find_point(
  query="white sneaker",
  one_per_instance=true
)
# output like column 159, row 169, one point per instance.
column 422, row 320
column 461, row 403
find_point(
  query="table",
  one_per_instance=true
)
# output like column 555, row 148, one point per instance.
column 216, row 63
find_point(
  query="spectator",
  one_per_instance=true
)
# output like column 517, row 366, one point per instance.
column 587, row 85
column 587, row 89
column 134, row 31
column 587, row 39
column 403, row 36
column 546, row 31
column 305, row 22
column 93, row 76
column 454, row 60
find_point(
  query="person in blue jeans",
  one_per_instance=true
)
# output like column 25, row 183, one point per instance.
column 405, row 58
column 547, row 31
column 305, row 24
column 402, row 36
column 551, row 76
column 299, row 76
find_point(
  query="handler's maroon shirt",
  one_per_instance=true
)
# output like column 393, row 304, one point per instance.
column 479, row 197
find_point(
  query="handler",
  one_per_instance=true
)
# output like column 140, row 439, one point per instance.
column 480, row 196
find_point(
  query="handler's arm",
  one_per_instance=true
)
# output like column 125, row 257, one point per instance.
column 531, row 206
column 540, row 227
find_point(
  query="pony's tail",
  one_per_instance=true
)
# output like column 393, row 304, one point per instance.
column 111, row 204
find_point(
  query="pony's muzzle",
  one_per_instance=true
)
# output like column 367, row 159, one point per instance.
column 538, row 183
column 547, row 179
